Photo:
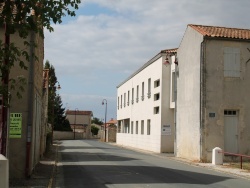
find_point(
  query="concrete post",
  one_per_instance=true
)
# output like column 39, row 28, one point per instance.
column 4, row 172
column 217, row 156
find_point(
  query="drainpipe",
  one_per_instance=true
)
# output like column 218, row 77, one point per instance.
column 202, row 94
column 30, row 104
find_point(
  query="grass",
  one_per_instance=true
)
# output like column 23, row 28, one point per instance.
column 245, row 165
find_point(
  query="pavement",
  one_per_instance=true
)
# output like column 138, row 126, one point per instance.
column 42, row 176
column 45, row 170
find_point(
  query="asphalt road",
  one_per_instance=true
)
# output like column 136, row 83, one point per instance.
column 93, row 164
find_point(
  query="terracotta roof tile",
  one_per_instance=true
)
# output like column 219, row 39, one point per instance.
column 222, row 32
column 78, row 112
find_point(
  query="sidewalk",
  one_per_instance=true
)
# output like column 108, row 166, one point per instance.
column 43, row 173
column 225, row 168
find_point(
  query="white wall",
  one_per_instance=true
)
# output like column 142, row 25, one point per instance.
column 188, row 96
column 144, row 109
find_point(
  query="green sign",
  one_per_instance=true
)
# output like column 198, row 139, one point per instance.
column 15, row 130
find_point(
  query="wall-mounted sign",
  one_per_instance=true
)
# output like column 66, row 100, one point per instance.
column 15, row 130
column 166, row 130
column 211, row 115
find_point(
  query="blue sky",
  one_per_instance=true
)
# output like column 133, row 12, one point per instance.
column 108, row 40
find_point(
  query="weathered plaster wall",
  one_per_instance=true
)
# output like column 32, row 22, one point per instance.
column 226, row 93
column 188, row 96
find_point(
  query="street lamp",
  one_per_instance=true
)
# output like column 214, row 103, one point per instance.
column 75, row 124
column 105, row 131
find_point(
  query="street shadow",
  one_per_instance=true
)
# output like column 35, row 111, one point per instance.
column 104, row 175
column 85, row 156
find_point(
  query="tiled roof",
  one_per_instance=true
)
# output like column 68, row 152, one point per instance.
column 112, row 121
column 222, row 32
column 174, row 50
column 78, row 112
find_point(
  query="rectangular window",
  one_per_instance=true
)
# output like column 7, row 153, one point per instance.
column 142, row 126
column 137, row 93
column 149, row 87
column 132, row 102
column 136, row 128
column 128, row 98
column 173, row 86
column 156, row 110
column 132, row 127
column 148, row 127
column 121, row 101
column 124, row 99
column 231, row 62
column 156, row 96
column 142, row 91
column 157, row 83
column 118, row 103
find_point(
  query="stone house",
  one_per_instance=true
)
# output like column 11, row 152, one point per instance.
column 145, row 105
column 80, row 121
column 213, row 92
column 24, row 143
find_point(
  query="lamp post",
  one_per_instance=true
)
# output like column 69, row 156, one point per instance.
column 75, row 124
column 105, row 130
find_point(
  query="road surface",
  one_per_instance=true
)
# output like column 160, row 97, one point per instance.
column 94, row 164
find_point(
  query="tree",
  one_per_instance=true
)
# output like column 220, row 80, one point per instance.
column 60, row 121
column 97, row 121
column 56, row 115
column 25, row 17
column 94, row 130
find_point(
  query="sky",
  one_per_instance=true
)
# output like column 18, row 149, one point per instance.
column 108, row 40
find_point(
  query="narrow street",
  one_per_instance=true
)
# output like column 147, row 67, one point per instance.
column 90, row 163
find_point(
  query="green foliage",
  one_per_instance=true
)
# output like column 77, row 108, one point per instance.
column 24, row 17
column 96, row 121
column 94, row 130
column 56, row 113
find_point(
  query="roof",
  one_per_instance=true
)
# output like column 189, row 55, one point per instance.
column 79, row 112
column 112, row 121
column 221, row 32
column 163, row 52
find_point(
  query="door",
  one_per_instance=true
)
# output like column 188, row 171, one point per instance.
column 231, row 131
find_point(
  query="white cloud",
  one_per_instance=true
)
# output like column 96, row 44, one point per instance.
column 99, row 51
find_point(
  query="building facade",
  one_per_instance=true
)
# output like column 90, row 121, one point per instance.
column 145, row 106
column 212, row 92
column 24, row 143
column 80, row 121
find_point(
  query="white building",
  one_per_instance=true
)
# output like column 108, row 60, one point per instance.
column 145, row 106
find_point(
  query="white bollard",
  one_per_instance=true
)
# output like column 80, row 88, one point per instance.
column 4, row 172
column 217, row 156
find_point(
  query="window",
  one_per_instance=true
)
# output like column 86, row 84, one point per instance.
column 142, row 126
column 231, row 62
column 149, row 87
column 137, row 93
column 136, row 128
column 156, row 96
column 142, row 91
column 118, row 103
column 173, row 86
column 156, row 110
column 121, row 101
column 132, row 127
column 128, row 98
column 230, row 112
column 132, row 102
column 124, row 99
column 157, row 83
column 148, row 127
